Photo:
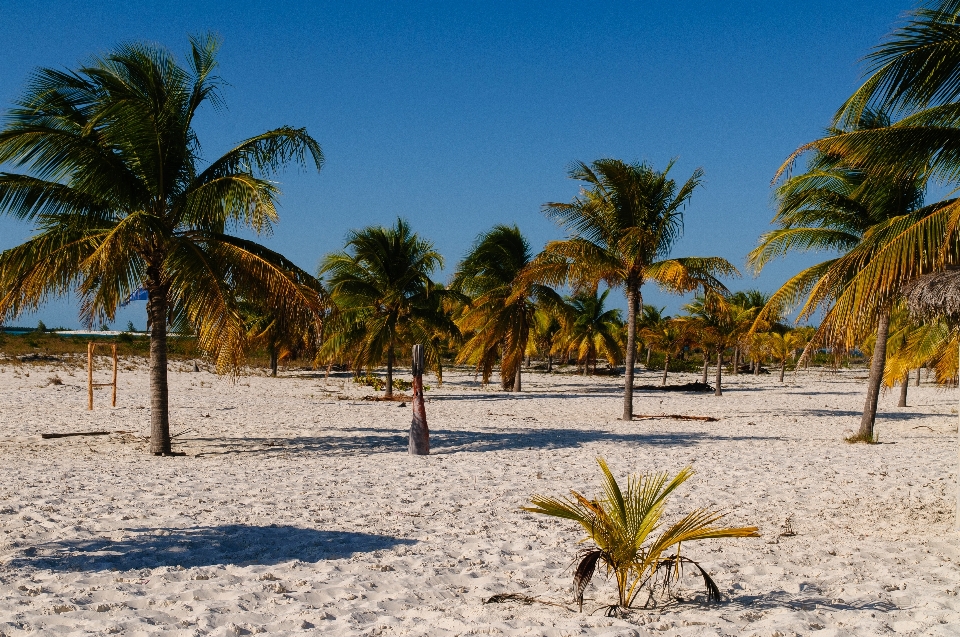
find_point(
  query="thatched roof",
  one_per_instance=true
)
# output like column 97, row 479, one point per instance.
column 935, row 295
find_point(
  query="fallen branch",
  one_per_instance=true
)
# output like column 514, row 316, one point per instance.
column 520, row 598
column 675, row 417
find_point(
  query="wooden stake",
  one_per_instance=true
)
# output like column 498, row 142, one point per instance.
column 90, row 347
column 114, row 348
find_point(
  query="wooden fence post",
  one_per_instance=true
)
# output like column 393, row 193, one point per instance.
column 419, row 432
column 114, row 348
column 90, row 347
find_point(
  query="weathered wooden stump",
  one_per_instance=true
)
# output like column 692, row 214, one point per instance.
column 419, row 433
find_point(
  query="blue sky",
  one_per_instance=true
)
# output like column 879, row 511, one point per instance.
column 460, row 115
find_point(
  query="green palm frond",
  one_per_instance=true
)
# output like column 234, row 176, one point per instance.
column 622, row 526
column 109, row 171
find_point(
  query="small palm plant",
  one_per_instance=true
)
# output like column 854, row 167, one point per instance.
column 622, row 528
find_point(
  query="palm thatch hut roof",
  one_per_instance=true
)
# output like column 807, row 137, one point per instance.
column 935, row 295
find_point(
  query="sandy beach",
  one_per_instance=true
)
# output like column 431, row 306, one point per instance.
column 297, row 510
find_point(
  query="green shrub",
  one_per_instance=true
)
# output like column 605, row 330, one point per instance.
column 380, row 384
column 676, row 365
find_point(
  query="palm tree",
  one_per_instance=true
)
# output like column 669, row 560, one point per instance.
column 381, row 287
column 837, row 207
column 503, row 302
column 757, row 348
column 669, row 337
column 914, row 74
column 114, row 183
column 590, row 331
column 546, row 327
column 750, row 299
column 722, row 323
column 283, row 336
column 650, row 315
column 782, row 348
column 623, row 226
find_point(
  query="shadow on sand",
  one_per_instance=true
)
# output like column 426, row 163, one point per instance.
column 383, row 440
column 805, row 601
column 234, row 544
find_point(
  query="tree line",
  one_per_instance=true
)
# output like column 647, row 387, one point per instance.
column 107, row 167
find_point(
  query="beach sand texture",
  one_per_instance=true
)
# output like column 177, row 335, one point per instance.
column 295, row 512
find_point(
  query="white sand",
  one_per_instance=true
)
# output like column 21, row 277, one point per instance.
column 296, row 513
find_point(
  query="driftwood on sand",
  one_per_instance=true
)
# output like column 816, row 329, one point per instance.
column 77, row 433
column 675, row 417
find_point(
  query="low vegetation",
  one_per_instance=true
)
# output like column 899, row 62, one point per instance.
column 622, row 536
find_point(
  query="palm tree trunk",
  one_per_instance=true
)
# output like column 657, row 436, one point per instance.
column 633, row 297
column 736, row 359
column 918, row 377
column 903, row 389
column 516, row 379
column 549, row 363
column 706, row 366
column 159, row 389
column 869, row 417
column 716, row 390
column 666, row 365
column 648, row 358
column 389, row 393
column 273, row 360
column 783, row 368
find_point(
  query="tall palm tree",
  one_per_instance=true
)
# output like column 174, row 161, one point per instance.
column 915, row 75
column 589, row 330
column 114, row 184
column 381, row 287
column 846, row 209
column 623, row 226
column 503, row 302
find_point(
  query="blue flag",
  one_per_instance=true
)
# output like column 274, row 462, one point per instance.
column 140, row 295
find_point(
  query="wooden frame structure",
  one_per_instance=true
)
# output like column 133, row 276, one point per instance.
column 91, row 346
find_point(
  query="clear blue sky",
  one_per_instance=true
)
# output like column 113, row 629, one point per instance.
column 460, row 115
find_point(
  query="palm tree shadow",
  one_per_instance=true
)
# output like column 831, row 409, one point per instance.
column 387, row 440
column 806, row 601
column 234, row 544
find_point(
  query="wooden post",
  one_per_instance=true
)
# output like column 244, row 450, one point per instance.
column 419, row 433
column 90, row 347
column 114, row 348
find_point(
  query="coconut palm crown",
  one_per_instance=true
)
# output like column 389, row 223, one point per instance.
column 500, row 315
column 590, row 331
column 114, row 184
column 623, row 226
column 382, row 291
